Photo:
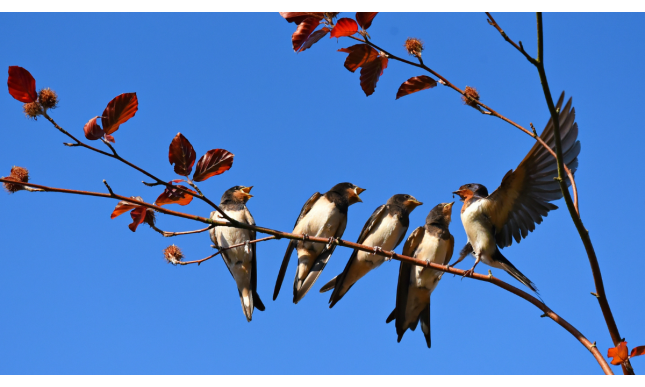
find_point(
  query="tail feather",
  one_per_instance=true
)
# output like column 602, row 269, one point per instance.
column 329, row 285
column 391, row 317
column 247, row 303
column 513, row 271
column 257, row 302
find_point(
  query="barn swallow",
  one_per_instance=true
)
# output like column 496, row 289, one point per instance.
column 240, row 261
column 512, row 210
column 431, row 243
column 323, row 216
column 384, row 230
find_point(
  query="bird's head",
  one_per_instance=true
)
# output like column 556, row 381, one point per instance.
column 440, row 214
column 467, row 191
column 350, row 191
column 237, row 194
column 408, row 202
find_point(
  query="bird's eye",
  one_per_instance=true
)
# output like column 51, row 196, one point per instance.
column 407, row 196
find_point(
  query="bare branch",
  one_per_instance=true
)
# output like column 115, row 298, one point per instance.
column 198, row 262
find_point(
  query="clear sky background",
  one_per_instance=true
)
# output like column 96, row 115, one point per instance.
column 82, row 294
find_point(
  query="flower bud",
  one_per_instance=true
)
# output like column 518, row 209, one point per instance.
column 472, row 93
column 18, row 174
column 48, row 98
column 32, row 110
column 414, row 46
column 173, row 254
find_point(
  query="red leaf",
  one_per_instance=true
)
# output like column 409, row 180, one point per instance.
column 299, row 17
column 370, row 73
column 344, row 27
column 118, row 111
column 22, row 86
column 182, row 154
column 173, row 195
column 316, row 36
column 619, row 354
column 138, row 216
column 92, row 130
column 122, row 207
column 638, row 351
column 359, row 54
column 110, row 138
column 415, row 84
column 304, row 30
column 214, row 162
column 364, row 19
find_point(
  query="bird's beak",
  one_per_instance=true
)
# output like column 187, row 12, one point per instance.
column 448, row 206
column 413, row 202
column 245, row 192
column 358, row 191
column 461, row 193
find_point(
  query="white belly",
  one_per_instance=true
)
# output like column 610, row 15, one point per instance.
column 478, row 229
column 385, row 234
column 238, row 259
column 431, row 249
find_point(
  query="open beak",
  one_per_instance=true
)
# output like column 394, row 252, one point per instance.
column 246, row 191
column 460, row 193
column 358, row 191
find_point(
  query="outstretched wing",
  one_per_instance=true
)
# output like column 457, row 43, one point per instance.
column 292, row 244
column 522, row 200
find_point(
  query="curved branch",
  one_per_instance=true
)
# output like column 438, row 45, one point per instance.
column 116, row 156
column 489, row 111
column 199, row 261
column 280, row 234
column 572, row 205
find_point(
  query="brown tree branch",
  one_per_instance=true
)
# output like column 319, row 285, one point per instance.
column 172, row 234
column 571, row 204
column 489, row 111
column 198, row 262
column 280, row 234
column 116, row 156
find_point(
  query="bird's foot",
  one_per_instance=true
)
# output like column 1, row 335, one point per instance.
column 330, row 243
column 305, row 237
column 377, row 249
column 247, row 247
column 387, row 259
column 469, row 272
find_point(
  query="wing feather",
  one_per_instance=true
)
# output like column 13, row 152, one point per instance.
column 522, row 199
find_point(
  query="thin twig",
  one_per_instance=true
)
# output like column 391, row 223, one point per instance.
column 108, row 187
column 169, row 234
column 572, row 205
column 115, row 155
column 489, row 111
column 280, row 234
column 198, row 262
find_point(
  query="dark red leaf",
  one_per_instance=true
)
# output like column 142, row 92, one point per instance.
column 619, row 353
column 173, row 195
column 370, row 73
column 313, row 38
column 22, row 86
column 118, row 111
column 138, row 216
column 214, row 162
column 110, row 138
column 304, row 30
column 344, row 27
column 122, row 207
column 299, row 17
column 364, row 19
column 182, row 154
column 359, row 54
column 638, row 351
column 92, row 130
column 415, row 84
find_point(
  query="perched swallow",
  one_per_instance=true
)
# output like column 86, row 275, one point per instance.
column 384, row 230
column 240, row 261
column 323, row 216
column 431, row 243
column 513, row 209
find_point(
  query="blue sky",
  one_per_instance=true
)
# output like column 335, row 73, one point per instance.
column 82, row 294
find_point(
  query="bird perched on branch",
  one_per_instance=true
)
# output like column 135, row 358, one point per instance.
column 324, row 216
column 240, row 261
column 384, row 230
column 431, row 243
column 522, row 200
